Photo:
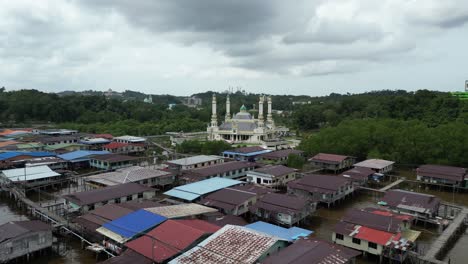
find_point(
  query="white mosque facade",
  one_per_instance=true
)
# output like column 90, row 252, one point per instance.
column 243, row 127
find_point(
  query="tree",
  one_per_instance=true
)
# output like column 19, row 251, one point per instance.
column 295, row 161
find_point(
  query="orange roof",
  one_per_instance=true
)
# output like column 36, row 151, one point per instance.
column 7, row 143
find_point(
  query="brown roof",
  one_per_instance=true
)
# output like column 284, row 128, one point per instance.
column 319, row 183
column 400, row 198
column 364, row 217
column 221, row 219
column 18, row 228
column 129, row 256
column 227, row 198
column 281, row 203
column 106, row 193
column 221, row 168
column 113, row 157
column 284, row 153
column 276, row 170
column 259, row 190
column 247, row 149
column 313, row 251
column 358, row 173
column 329, row 158
column 442, row 172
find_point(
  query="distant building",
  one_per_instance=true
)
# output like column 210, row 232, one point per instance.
column 324, row 188
column 231, row 170
column 125, row 148
column 192, row 101
column 65, row 147
column 283, row 209
column 243, row 127
column 112, row 161
column 377, row 165
column 130, row 139
column 313, row 251
column 80, row 158
column 245, row 153
column 62, row 139
column 56, row 132
column 230, row 243
column 149, row 99
column 279, row 156
column 23, row 239
column 89, row 200
column 272, row 176
column 194, row 162
column 332, row 162
column 136, row 174
column 95, row 143
column 448, row 175
column 421, row 206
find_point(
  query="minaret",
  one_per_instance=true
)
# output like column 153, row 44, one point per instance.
column 269, row 116
column 261, row 120
column 214, row 121
column 228, row 108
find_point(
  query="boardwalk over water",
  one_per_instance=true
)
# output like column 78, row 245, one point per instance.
column 437, row 248
column 391, row 185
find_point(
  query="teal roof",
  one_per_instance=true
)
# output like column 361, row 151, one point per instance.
column 243, row 108
column 192, row 191
column 289, row 234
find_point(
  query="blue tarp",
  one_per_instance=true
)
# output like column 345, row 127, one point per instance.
column 12, row 154
column 289, row 234
column 134, row 223
column 81, row 154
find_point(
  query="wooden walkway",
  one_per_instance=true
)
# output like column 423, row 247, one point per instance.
column 438, row 246
column 391, row 185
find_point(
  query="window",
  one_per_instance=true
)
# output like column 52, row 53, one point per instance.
column 117, row 200
column 145, row 182
column 129, row 198
column 140, row 195
column 372, row 245
column 339, row 236
column 356, row 241
column 91, row 207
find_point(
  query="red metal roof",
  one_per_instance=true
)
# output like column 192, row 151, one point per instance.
column 374, row 235
column 171, row 238
column 115, row 145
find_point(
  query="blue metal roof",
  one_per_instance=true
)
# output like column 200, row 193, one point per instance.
column 81, row 154
column 290, row 234
column 194, row 190
column 247, row 154
column 134, row 223
column 12, row 154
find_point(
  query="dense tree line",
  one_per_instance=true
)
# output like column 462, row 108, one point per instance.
column 407, row 142
column 207, row 148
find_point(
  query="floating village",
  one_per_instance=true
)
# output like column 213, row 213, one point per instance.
column 129, row 199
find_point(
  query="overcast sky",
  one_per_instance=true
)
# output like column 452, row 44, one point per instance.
column 181, row 47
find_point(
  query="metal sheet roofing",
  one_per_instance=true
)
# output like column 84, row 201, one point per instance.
column 329, row 158
column 129, row 174
column 312, row 251
column 29, row 173
column 289, row 234
column 134, row 223
column 13, row 154
column 319, row 183
column 81, row 154
column 229, row 245
column 374, row 163
column 195, row 160
column 171, row 238
column 181, row 210
column 194, row 190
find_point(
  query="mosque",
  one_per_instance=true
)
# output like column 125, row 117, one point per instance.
column 243, row 127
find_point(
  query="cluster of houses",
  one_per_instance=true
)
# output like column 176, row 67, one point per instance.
column 41, row 157
column 198, row 209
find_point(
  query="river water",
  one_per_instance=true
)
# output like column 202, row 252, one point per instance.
column 322, row 223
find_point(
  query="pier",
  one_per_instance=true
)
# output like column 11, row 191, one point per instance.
column 391, row 185
column 59, row 223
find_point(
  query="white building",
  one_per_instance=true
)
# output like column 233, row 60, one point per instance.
column 243, row 127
